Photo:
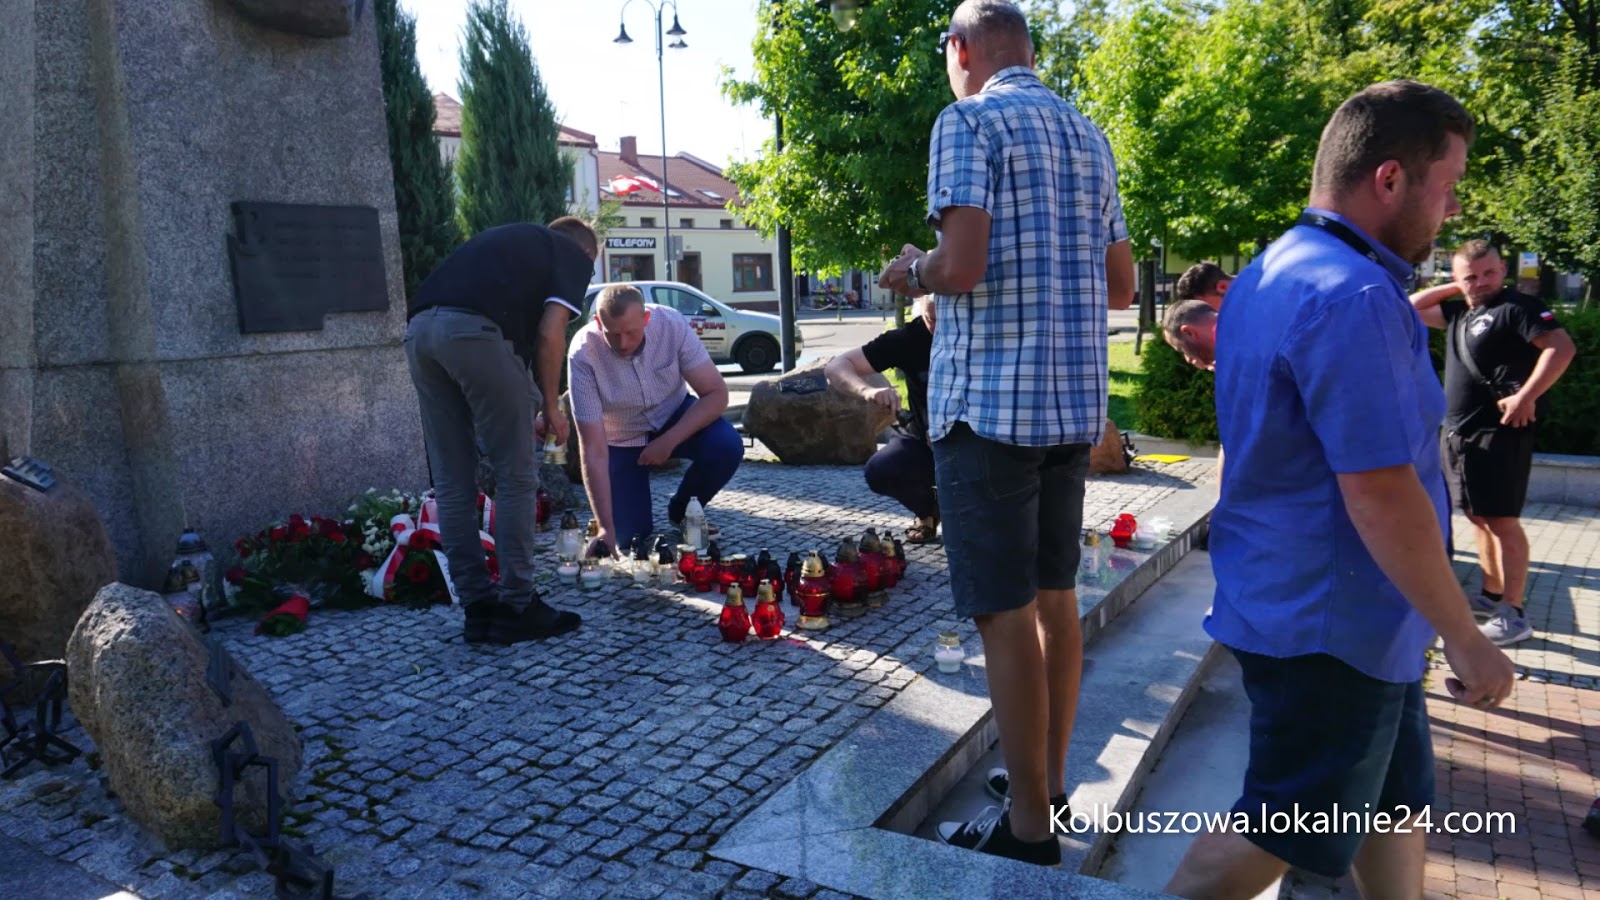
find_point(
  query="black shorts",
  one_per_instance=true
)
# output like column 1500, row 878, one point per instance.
column 1011, row 516
column 1327, row 740
column 1488, row 470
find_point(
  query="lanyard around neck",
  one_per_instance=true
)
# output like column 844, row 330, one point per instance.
column 1341, row 231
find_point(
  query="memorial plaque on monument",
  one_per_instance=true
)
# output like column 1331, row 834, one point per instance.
column 295, row 263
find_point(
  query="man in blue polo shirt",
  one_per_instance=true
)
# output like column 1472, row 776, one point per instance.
column 1328, row 541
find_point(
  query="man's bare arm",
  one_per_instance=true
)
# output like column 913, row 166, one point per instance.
column 596, row 457
column 849, row 370
column 1556, row 353
column 1395, row 517
column 958, row 263
column 1119, row 275
column 1426, row 303
column 552, row 356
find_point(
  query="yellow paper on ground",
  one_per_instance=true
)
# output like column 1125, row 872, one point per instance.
column 1161, row 458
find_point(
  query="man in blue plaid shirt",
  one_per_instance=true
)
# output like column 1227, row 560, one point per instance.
column 1032, row 251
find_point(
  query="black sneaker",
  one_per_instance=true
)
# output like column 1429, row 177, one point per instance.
column 991, row 833
column 493, row 622
column 998, row 784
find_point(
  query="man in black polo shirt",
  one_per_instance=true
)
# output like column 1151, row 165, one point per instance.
column 1503, row 351
column 492, row 311
column 903, row 468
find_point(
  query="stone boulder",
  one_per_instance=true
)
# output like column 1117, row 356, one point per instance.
column 1107, row 458
column 806, row 422
column 137, row 681
column 57, row 556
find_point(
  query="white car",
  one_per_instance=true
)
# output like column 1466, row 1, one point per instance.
column 730, row 335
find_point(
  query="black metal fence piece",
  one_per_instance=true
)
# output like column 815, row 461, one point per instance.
column 38, row 739
column 219, row 670
column 297, row 873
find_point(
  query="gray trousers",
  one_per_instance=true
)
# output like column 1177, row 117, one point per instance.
column 474, row 388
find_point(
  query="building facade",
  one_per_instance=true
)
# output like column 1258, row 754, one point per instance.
column 715, row 250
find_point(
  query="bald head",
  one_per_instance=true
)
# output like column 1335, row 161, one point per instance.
column 986, row 36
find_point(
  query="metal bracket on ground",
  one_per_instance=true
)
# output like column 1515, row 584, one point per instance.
column 297, row 873
column 38, row 739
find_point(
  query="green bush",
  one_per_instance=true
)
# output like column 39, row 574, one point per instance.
column 1572, row 424
column 1175, row 399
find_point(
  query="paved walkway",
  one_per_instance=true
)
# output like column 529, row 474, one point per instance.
column 1535, row 757
column 600, row 764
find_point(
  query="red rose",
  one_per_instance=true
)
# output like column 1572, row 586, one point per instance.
column 418, row 572
column 423, row 540
column 337, row 537
column 235, row 575
column 279, row 533
column 242, row 548
column 364, row 562
column 297, row 521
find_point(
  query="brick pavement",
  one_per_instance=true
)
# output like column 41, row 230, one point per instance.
column 1563, row 595
column 1536, row 756
column 600, row 764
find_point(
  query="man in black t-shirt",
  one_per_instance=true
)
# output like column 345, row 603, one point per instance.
column 1503, row 351
column 903, row 468
column 492, row 311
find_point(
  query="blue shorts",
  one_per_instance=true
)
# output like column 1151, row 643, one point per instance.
column 1012, row 518
column 1325, row 738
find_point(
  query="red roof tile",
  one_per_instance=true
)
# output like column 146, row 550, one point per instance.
column 689, row 176
column 447, row 123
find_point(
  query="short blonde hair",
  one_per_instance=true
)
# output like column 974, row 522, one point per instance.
column 616, row 299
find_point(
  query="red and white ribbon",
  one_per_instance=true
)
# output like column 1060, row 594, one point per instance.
column 407, row 532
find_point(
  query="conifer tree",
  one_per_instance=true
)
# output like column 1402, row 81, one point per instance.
column 511, row 167
column 424, row 191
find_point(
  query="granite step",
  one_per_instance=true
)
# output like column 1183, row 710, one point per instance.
column 850, row 822
column 1139, row 677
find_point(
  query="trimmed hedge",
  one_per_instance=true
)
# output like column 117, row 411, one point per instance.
column 1176, row 400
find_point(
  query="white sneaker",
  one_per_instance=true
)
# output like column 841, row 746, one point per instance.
column 1506, row 627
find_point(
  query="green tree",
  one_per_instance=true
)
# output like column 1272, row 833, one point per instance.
column 1129, row 86
column 511, row 166
column 424, row 193
column 1062, row 41
column 858, row 110
column 1551, row 199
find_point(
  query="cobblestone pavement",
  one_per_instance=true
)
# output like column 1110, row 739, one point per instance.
column 1535, row 757
column 600, row 764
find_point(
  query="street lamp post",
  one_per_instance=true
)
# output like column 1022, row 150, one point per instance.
column 661, row 78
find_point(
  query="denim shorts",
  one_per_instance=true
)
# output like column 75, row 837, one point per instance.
column 1325, row 738
column 1012, row 518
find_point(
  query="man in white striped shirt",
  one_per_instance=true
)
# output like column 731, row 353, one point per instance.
column 631, row 371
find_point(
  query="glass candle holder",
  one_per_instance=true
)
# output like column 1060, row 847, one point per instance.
column 768, row 617
column 812, row 591
column 734, row 622
column 591, row 575
column 688, row 560
column 947, row 653
column 705, row 575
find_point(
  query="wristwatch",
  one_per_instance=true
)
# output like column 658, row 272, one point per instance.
column 913, row 280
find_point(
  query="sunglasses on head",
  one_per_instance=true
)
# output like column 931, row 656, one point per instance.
column 945, row 36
